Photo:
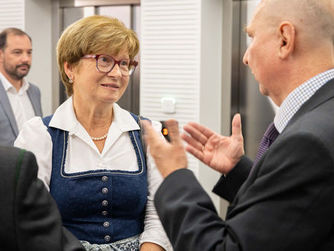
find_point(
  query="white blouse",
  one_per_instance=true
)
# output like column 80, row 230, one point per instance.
column 117, row 152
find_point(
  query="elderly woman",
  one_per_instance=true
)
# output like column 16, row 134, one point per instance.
column 90, row 152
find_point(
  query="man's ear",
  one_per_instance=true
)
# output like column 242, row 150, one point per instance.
column 287, row 39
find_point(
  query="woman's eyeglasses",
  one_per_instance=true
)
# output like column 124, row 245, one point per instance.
column 105, row 64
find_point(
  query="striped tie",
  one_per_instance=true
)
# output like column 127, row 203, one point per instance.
column 268, row 138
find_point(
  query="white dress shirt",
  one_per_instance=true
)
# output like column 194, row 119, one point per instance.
column 19, row 101
column 83, row 155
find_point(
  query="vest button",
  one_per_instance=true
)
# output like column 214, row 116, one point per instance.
column 105, row 190
column 104, row 203
column 104, row 178
column 107, row 238
column 106, row 224
column 104, row 213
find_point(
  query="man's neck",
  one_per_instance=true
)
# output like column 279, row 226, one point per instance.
column 16, row 83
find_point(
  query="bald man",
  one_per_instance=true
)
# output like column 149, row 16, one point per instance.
column 285, row 199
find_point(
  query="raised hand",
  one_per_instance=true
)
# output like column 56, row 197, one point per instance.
column 168, row 157
column 219, row 152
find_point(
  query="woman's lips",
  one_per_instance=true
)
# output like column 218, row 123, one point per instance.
column 110, row 85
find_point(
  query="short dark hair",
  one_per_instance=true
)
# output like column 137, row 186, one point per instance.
column 11, row 30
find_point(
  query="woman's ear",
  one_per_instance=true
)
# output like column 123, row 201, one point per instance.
column 69, row 71
column 287, row 38
column 1, row 55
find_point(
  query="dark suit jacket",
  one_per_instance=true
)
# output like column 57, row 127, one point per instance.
column 8, row 126
column 29, row 217
column 285, row 203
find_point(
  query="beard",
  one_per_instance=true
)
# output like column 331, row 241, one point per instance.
column 16, row 72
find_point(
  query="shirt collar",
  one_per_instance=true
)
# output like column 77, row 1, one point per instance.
column 122, row 118
column 9, row 87
column 298, row 97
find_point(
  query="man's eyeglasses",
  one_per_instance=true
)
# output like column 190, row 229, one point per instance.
column 105, row 64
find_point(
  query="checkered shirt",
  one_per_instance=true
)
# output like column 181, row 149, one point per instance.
column 298, row 97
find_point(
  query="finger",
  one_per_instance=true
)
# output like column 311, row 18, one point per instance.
column 236, row 125
column 201, row 129
column 196, row 153
column 173, row 131
column 193, row 130
column 192, row 142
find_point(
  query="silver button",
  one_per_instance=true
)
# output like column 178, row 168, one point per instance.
column 106, row 224
column 104, row 178
column 104, row 213
column 104, row 203
column 107, row 238
column 105, row 190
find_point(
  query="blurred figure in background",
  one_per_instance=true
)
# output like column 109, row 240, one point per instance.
column 89, row 152
column 19, row 100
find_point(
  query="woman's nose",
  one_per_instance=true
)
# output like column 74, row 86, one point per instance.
column 116, row 71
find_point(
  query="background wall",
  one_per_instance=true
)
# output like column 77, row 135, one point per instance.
column 181, row 58
column 171, row 59
column 11, row 14
column 37, row 20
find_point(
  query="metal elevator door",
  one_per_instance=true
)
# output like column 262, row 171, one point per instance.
column 130, row 16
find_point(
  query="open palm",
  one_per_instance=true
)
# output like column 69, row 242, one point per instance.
column 219, row 152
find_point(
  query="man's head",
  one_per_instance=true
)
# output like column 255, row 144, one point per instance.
column 15, row 53
column 292, row 41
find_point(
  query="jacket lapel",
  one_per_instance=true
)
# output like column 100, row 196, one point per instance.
column 4, row 101
column 33, row 101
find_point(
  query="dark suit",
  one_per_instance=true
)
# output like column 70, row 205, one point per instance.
column 285, row 203
column 8, row 126
column 29, row 217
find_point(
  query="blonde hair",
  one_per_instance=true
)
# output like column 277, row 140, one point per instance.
column 92, row 35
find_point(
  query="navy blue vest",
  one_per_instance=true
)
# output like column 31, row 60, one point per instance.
column 100, row 206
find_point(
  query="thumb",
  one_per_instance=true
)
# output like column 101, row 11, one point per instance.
column 173, row 130
column 151, row 137
column 236, row 125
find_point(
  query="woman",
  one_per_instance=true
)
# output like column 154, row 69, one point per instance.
column 89, row 152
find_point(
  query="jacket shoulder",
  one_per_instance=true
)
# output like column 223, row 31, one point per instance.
column 34, row 88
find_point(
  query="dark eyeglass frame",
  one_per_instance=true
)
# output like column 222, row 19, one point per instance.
column 133, row 63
